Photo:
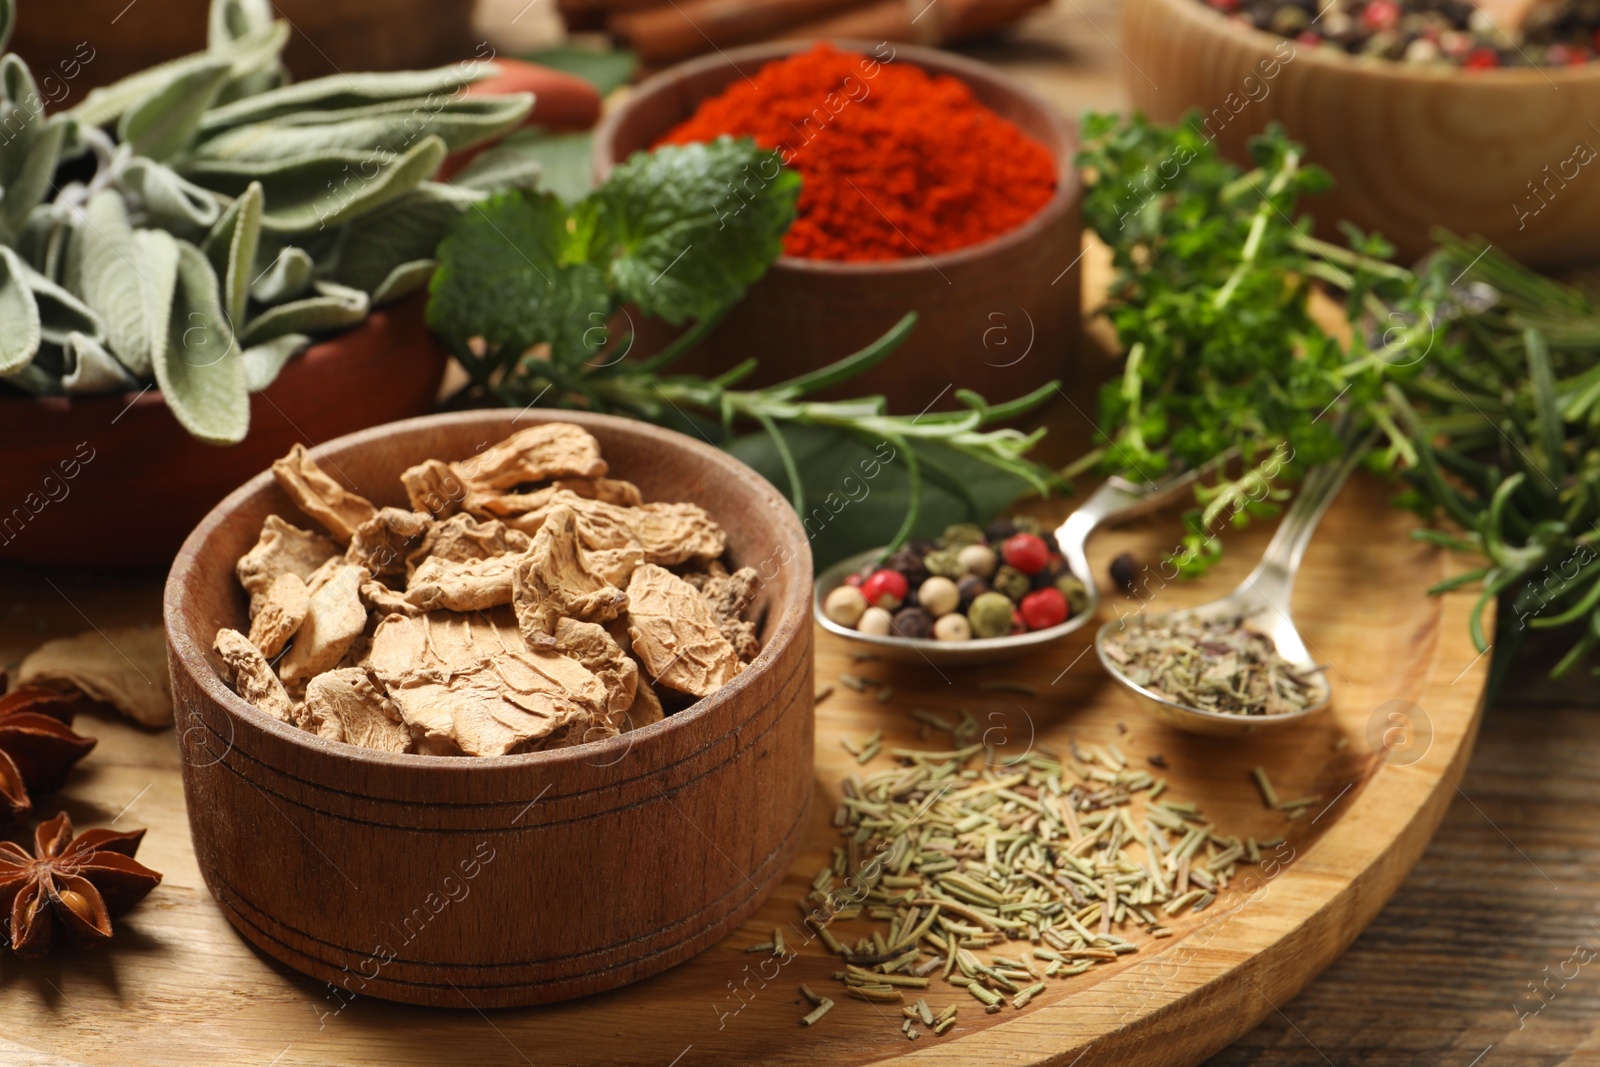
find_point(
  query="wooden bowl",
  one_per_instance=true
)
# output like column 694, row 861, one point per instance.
column 492, row 882
column 999, row 317
column 1409, row 148
column 114, row 482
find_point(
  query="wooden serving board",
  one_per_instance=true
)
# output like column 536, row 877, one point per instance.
column 179, row 985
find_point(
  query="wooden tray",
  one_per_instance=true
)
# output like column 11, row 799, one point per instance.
column 178, row 985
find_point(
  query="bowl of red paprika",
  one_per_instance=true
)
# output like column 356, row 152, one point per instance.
column 930, row 183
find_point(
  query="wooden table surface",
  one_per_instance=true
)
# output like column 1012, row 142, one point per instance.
column 1487, row 955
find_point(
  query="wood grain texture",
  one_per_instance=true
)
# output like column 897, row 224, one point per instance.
column 1000, row 317
column 1410, row 148
column 508, row 880
column 74, row 464
column 1360, row 603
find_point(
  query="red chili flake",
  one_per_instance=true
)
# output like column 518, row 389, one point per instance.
column 1481, row 59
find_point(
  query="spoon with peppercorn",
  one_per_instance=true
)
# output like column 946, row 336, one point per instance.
column 972, row 598
column 1236, row 665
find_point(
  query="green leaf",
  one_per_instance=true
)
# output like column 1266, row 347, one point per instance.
column 605, row 70
column 61, row 313
column 857, row 492
column 169, row 201
column 313, row 193
column 687, row 243
column 20, row 335
column 198, row 365
column 339, row 91
column 163, row 123
column 29, row 184
column 264, row 362
column 390, row 127
column 287, row 277
column 255, row 52
column 8, row 21
column 129, row 292
column 230, row 21
column 333, row 308
column 513, row 272
column 559, row 163
column 231, row 247
column 404, row 280
column 403, row 231
column 91, row 369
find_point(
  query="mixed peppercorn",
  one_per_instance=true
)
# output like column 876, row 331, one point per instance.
column 1458, row 32
column 972, row 582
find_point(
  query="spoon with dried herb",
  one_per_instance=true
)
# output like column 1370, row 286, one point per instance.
column 1238, row 664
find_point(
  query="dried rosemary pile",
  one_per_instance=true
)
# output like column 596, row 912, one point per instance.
column 999, row 877
column 1221, row 665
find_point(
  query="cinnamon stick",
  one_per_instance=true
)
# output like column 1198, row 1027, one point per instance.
column 581, row 15
column 927, row 22
column 689, row 27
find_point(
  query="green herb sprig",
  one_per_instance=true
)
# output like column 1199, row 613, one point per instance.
column 530, row 285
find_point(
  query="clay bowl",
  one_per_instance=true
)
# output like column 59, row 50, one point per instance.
column 1409, row 148
column 510, row 880
column 999, row 317
column 113, row 482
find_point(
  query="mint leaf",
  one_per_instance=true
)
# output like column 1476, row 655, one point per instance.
column 514, row 271
column 696, row 225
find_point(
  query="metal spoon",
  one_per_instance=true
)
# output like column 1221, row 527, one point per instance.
column 1262, row 599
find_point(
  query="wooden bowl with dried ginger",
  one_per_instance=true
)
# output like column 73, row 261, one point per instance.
column 498, row 880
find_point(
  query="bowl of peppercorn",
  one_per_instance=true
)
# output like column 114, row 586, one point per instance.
column 930, row 183
column 973, row 595
column 1473, row 117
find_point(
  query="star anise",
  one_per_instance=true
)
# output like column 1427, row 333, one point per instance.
column 37, row 746
column 69, row 888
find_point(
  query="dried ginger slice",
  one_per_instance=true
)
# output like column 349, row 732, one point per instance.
column 553, row 581
column 668, row 534
column 464, row 686
column 279, row 613
column 537, row 454
column 125, row 667
column 461, row 538
column 345, row 705
column 385, row 601
column 334, row 619
column 593, row 647
column 433, row 488
column 281, row 549
column 646, row 708
column 509, row 505
column 473, row 585
column 340, row 511
column 675, row 635
column 247, row 670
column 728, row 595
column 383, row 542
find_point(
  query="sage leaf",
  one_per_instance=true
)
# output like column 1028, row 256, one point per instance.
column 91, row 369
column 286, row 277
column 230, row 21
column 264, row 362
column 20, row 335
column 198, row 365
column 333, row 308
column 560, row 163
column 404, row 280
column 254, row 52
column 315, row 192
column 339, row 91
column 34, row 379
column 406, row 229
column 129, row 292
column 8, row 21
column 26, row 187
column 163, row 123
column 231, row 247
column 61, row 314
column 389, row 128
column 677, row 261
column 168, row 200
